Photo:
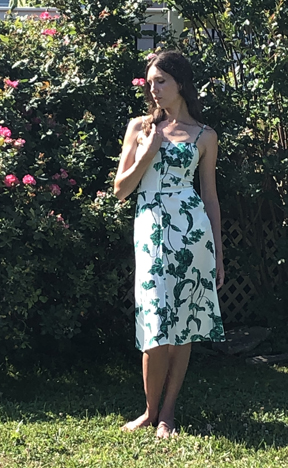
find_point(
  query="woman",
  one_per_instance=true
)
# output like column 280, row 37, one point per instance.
column 177, row 235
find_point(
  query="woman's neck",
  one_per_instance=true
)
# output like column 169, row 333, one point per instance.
column 179, row 115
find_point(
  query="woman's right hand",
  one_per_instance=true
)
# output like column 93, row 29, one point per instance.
column 135, row 157
column 150, row 144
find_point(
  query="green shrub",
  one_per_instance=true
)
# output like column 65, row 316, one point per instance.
column 65, row 100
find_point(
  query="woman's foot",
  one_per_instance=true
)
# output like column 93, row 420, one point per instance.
column 166, row 429
column 141, row 422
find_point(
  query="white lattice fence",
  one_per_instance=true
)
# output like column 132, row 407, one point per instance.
column 238, row 292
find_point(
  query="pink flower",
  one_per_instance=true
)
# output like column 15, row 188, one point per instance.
column 8, row 140
column 12, row 84
column 55, row 189
column 151, row 56
column 66, row 40
column 60, row 219
column 28, row 180
column 4, row 131
column 49, row 32
column 19, row 143
column 45, row 15
column 64, row 174
column 101, row 194
column 56, row 176
column 72, row 182
column 10, row 180
column 138, row 82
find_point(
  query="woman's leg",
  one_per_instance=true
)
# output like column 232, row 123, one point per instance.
column 178, row 363
column 155, row 367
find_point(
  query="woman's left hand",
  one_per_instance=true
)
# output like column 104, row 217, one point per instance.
column 220, row 274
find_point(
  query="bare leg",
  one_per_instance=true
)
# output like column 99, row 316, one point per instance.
column 155, row 367
column 178, row 362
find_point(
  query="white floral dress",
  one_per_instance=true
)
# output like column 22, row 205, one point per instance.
column 175, row 279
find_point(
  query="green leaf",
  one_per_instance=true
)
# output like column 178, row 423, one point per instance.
column 157, row 268
column 179, row 287
column 207, row 284
column 148, row 285
column 209, row 246
column 4, row 39
column 195, row 338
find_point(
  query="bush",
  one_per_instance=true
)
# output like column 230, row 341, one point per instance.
column 65, row 100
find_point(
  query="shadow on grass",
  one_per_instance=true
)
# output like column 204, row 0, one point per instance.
column 221, row 395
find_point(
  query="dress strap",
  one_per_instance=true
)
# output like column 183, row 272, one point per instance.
column 199, row 134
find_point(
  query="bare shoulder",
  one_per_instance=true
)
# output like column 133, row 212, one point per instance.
column 136, row 124
column 209, row 135
column 208, row 143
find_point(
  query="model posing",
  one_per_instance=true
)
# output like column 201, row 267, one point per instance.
column 177, row 234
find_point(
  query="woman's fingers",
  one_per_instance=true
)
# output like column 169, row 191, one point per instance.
column 220, row 278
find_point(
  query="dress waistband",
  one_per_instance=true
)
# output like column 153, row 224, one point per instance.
column 167, row 190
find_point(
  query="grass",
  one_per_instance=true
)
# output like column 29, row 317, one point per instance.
column 229, row 414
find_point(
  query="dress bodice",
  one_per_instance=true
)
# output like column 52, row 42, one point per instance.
column 172, row 168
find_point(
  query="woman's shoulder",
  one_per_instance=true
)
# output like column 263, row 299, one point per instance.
column 137, row 122
column 209, row 135
column 209, row 131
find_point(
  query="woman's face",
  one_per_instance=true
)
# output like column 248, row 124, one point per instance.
column 163, row 88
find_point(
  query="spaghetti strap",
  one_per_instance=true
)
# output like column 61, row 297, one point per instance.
column 199, row 134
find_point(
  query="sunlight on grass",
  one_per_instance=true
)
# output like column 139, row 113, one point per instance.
column 229, row 415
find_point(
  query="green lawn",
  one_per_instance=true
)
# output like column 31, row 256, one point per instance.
column 229, row 415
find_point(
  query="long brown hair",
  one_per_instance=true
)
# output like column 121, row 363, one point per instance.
column 176, row 65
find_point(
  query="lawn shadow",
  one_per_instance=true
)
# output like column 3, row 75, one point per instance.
column 224, row 396
column 40, row 392
column 221, row 395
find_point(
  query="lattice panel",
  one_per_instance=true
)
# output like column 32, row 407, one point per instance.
column 237, row 292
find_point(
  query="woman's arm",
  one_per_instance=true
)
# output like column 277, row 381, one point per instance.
column 207, row 166
column 130, row 172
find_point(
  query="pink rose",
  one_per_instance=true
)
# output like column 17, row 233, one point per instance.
column 10, row 180
column 28, row 180
column 72, row 182
column 101, row 194
column 55, row 189
column 56, row 176
column 4, row 131
column 49, row 32
column 45, row 15
column 60, row 218
column 12, row 84
column 64, row 174
column 19, row 143
column 138, row 82
column 8, row 140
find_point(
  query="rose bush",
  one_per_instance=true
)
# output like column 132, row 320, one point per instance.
column 65, row 100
